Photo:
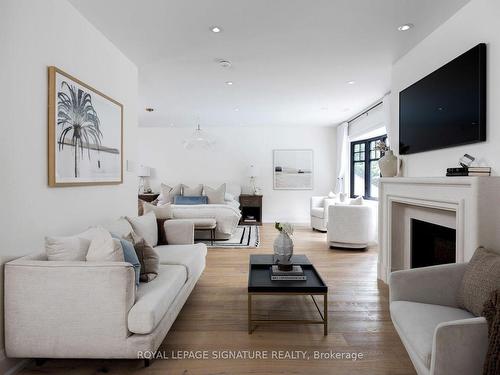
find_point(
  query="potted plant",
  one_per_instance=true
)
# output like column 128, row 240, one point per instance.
column 283, row 246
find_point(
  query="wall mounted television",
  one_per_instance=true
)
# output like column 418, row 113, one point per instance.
column 447, row 108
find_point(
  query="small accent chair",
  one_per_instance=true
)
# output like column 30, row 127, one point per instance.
column 350, row 226
column 439, row 336
column 319, row 212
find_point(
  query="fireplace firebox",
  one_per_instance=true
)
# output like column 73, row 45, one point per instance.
column 431, row 244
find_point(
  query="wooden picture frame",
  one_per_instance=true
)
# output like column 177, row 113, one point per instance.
column 85, row 133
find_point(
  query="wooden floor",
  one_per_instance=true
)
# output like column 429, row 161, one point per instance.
column 215, row 318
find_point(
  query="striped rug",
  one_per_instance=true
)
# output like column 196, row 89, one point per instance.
column 245, row 236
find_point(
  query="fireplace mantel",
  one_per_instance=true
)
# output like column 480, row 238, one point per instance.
column 474, row 202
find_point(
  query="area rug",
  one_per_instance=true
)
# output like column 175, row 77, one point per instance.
column 245, row 236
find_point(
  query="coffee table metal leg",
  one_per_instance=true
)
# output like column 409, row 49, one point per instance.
column 249, row 314
column 325, row 314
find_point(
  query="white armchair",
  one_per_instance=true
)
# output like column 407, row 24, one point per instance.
column 440, row 337
column 319, row 212
column 350, row 226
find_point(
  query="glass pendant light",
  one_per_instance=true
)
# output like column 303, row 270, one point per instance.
column 199, row 139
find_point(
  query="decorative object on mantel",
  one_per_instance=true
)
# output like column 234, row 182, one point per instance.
column 85, row 133
column 388, row 164
column 466, row 160
column 143, row 173
column 199, row 139
column 466, row 169
column 283, row 246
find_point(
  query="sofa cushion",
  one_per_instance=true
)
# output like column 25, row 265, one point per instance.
column 168, row 193
column 318, row 212
column 192, row 257
column 481, row 278
column 416, row 323
column 146, row 227
column 103, row 247
column 155, row 298
column 120, row 227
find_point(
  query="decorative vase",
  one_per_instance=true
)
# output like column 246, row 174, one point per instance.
column 283, row 251
column 388, row 164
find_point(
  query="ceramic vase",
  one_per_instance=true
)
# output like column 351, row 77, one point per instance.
column 283, row 251
column 388, row 164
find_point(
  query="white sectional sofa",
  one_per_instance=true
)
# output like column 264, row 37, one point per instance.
column 83, row 309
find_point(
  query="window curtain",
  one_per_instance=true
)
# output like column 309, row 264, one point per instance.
column 342, row 156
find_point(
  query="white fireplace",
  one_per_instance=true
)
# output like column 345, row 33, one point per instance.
column 468, row 205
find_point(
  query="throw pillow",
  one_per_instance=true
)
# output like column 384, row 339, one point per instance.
column 121, row 227
column 148, row 257
column 481, row 278
column 228, row 197
column 179, row 199
column 192, row 192
column 145, row 226
column 168, row 193
column 161, row 212
column 102, row 247
column 66, row 248
column 215, row 196
column 130, row 256
column 356, row 201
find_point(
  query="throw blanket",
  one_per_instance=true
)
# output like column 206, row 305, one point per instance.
column 492, row 314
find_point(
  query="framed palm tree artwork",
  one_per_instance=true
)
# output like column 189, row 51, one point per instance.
column 85, row 133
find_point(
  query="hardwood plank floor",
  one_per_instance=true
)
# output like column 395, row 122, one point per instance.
column 215, row 318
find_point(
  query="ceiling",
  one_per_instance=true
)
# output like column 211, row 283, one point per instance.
column 291, row 59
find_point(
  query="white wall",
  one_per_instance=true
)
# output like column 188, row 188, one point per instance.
column 476, row 22
column 236, row 149
column 33, row 35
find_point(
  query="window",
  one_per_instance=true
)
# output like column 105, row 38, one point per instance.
column 365, row 172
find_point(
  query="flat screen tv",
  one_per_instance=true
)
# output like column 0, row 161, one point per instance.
column 447, row 108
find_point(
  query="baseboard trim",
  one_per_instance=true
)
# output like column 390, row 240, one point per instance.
column 11, row 366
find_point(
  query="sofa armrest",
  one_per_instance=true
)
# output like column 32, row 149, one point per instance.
column 460, row 347
column 317, row 202
column 56, row 308
column 436, row 285
column 179, row 232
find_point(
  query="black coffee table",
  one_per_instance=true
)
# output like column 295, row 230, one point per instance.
column 260, row 283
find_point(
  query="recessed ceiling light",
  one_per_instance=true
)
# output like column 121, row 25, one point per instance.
column 405, row 27
column 237, row 109
column 216, row 29
column 149, row 109
column 229, row 83
column 351, row 82
column 324, row 108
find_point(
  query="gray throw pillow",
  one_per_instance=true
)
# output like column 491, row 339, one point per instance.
column 168, row 193
column 145, row 226
column 482, row 276
column 215, row 196
column 148, row 257
column 192, row 191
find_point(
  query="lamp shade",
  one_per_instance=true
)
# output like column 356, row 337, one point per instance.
column 252, row 171
column 144, row 171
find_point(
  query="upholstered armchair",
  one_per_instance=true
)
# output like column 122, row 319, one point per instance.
column 440, row 337
column 350, row 226
column 319, row 212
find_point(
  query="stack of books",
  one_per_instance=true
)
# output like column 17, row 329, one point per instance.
column 250, row 219
column 296, row 274
column 470, row 171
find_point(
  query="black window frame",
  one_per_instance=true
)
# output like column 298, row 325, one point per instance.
column 367, row 160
